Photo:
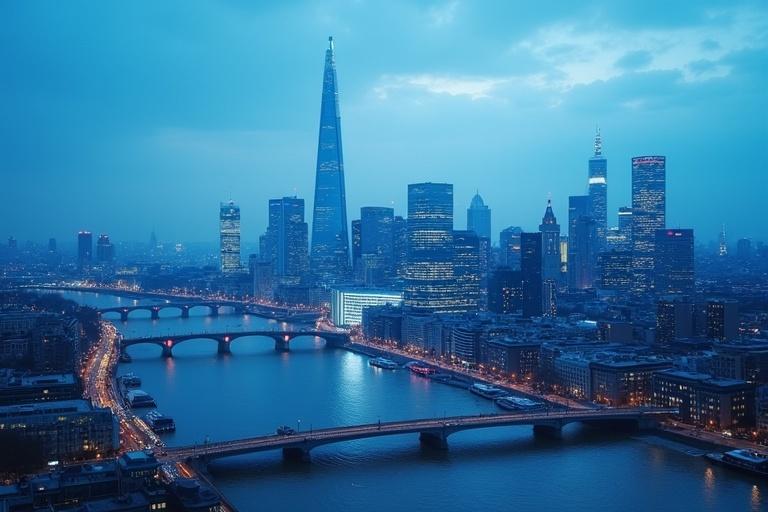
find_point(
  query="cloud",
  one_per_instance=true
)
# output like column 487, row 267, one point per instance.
column 473, row 87
column 576, row 55
column 442, row 15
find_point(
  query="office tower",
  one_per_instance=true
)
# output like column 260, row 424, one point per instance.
column 285, row 242
column 376, row 244
column 357, row 262
column 51, row 245
column 722, row 320
column 479, row 217
column 564, row 254
column 598, row 191
column 550, row 233
column 84, row 248
column 467, row 267
column 262, row 277
column 229, row 234
column 744, row 249
column 509, row 247
column 674, row 321
column 105, row 251
column 531, row 271
column 648, row 215
column 429, row 283
column 399, row 247
column 625, row 222
column 505, row 291
column 615, row 270
column 330, row 243
column 485, row 268
column 723, row 250
column 673, row 261
column 582, row 244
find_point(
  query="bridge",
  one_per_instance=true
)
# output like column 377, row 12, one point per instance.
column 154, row 309
column 432, row 432
column 282, row 339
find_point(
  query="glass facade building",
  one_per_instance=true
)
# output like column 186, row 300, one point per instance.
column 376, row 244
column 648, row 215
column 509, row 247
column 467, row 267
column 582, row 244
column 598, row 191
column 673, row 261
column 429, row 284
column 84, row 248
column 531, row 272
column 347, row 304
column 479, row 217
column 330, row 241
column 229, row 236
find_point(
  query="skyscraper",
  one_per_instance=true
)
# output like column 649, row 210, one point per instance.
column 509, row 247
column 505, row 292
column 399, row 247
column 467, row 267
column 84, row 249
column 673, row 261
column 479, row 217
column 376, row 243
column 531, row 271
column 582, row 244
column 429, row 284
column 229, row 235
column 330, row 242
column 648, row 215
column 598, row 191
column 285, row 242
column 105, row 251
column 357, row 260
column 550, row 232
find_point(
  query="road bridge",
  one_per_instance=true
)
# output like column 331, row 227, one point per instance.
column 432, row 432
column 214, row 308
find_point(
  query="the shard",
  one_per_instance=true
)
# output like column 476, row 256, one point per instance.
column 330, row 241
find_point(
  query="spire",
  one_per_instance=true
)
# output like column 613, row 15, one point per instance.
column 598, row 142
column 330, row 43
column 549, row 215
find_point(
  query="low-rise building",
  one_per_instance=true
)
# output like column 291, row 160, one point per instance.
column 19, row 388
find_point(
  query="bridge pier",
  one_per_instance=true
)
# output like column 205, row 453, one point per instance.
column 281, row 344
column 435, row 440
column 548, row 431
column 124, row 316
column 224, row 347
column 296, row 454
column 167, row 350
column 214, row 310
column 185, row 312
column 155, row 313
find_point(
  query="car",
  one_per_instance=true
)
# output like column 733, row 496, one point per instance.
column 285, row 430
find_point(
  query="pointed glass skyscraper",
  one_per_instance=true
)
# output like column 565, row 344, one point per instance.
column 330, row 241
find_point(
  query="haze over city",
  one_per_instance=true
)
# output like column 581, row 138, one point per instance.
column 146, row 115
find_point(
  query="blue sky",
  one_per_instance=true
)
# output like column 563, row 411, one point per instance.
column 123, row 116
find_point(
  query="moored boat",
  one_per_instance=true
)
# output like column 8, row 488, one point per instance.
column 520, row 404
column 383, row 362
column 750, row 461
column 486, row 390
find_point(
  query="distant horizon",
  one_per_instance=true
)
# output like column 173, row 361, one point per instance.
column 120, row 135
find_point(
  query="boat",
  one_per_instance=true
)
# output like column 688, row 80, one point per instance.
column 750, row 461
column 516, row 403
column 130, row 380
column 137, row 398
column 486, row 390
column 451, row 380
column 125, row 357
column 422, row 371
column 383, row 362
column 159, row 422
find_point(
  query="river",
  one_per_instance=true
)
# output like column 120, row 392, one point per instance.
column 255, row 389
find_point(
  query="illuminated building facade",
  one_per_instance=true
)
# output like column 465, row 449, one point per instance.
column 598, row 191
column 467, row 267
column 582, row 244
column 330, row 241
column 509, row 247
column 648, row 214
column 673, row 261
column 347, row 304
column 229, row 236
column 376, row 244
column 285, row 242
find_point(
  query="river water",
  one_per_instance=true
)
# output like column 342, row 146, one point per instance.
column 255, row 389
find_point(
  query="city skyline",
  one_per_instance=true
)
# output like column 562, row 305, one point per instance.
column 396, row 122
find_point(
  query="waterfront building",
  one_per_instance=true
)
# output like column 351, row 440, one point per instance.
column 376, row 244
column 430, row 286
column 648, row 215
column 505, row 291
column 262, row 274
column 509, row 247
column 582, row 244
column 706, row 401
column 515, row 358
column 65, row 429
column 347, row 303
column 741, row 360
column 598, row 191
column 467, row 269
column 21, row 387
column 330, row 242
column 722, row 320
column 383, row 323
column 573, row 377
column 84, row 249
column 229, row 234
column 673, row 262
column 479, row 217
column 615, row 270
column 531, row 272
column 105, row 250
column 625, row 381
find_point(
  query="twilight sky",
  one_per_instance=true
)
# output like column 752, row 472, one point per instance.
column 123, row 116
